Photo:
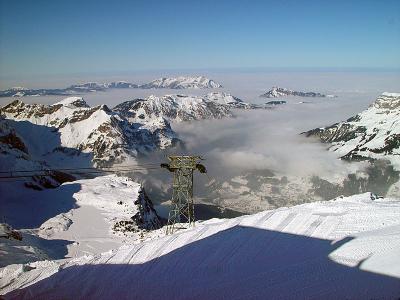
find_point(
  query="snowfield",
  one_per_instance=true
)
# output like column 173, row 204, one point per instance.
column 77, row 218
column 347, row 248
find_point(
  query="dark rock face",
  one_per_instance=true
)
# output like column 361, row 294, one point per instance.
column 7, row 232
column 146, row 217
column 19, row 109
column 338, row 132
column 13, row 141
column 49, row 180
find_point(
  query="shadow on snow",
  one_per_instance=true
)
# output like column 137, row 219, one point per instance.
column 237, row 263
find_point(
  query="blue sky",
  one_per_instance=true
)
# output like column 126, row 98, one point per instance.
column 57, row 37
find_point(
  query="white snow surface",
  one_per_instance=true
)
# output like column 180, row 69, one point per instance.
column 347, row 248
column 90, row 208
column 102, row 193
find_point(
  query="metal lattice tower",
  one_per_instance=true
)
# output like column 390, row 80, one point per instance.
column 182, row 210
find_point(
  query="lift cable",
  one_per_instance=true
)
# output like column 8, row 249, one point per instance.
column 73, row 171
column 85, row 168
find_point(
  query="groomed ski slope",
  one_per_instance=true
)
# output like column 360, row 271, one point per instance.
column 348, row 248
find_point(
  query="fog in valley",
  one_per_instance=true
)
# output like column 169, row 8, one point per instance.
column 257, row 159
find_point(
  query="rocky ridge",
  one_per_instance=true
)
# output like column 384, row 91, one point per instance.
column 276, row 92
column 70, row 127
column 179, row 108
column 372, row 134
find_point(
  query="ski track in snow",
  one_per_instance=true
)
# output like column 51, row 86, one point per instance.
column 318, row 250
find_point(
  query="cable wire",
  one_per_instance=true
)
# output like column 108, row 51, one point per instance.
column 72, row 171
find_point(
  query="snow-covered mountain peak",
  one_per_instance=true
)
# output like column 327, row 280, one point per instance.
column 182, row 82
column 223, row 98
column 387, row 101
column 71, row 126
column 178, row 107
column 373, row 133
column 73, row 102
column 276, row 92
column 172, row 107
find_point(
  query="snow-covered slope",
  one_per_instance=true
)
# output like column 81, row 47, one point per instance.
column 179, row 108
column 85, row 216
column 15, row 155
column 342, row 249
column 182, row 82
column 374, row 133
column 276, row 92
column 229, row 100
column 72, row 128
column 175, row 108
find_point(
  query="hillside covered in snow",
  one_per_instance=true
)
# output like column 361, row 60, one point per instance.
column 71, row 130
column 71, row 133
column 85, row 216
column 372, row 134
column 181, row 107
column 342, row 249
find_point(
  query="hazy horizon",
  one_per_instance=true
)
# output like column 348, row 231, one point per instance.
column 96, row 37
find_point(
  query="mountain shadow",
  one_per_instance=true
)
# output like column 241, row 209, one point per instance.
column 30, row 209
column 237, row 263
column 36, row 147
column 21, row 252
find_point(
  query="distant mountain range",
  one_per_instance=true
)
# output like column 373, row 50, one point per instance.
column 182, row 82
column 277, row 92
